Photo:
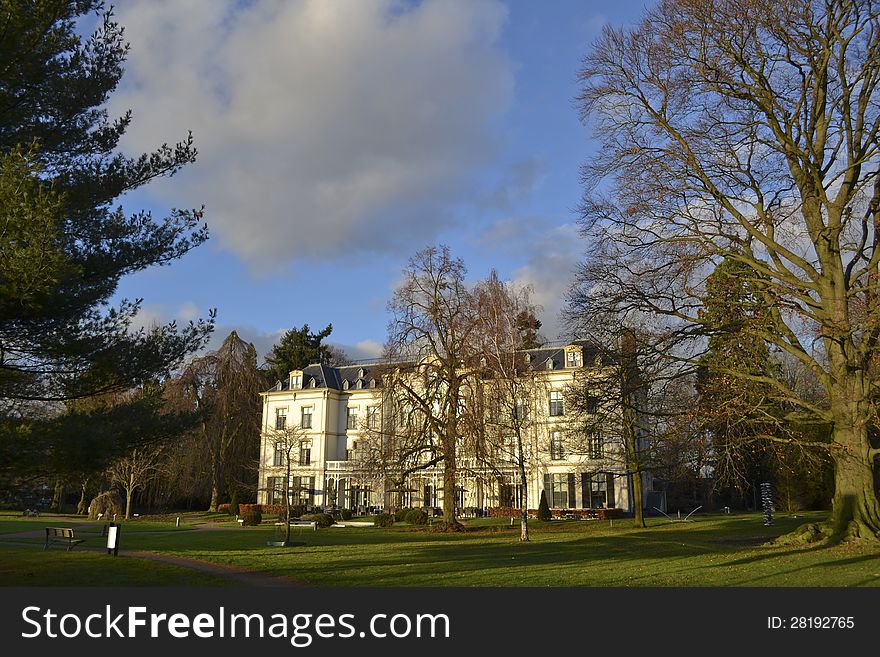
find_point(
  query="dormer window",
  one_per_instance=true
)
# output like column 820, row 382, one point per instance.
column 528, row 358
column 483, row 361
column 312, row 382
column 361, row 373
column 359, row 384
column 296, row 380
column 573, row 357
column 549, row 363
column 345, row 384
column 372, row 383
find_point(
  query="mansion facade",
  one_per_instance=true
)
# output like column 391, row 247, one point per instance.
column 329, row 410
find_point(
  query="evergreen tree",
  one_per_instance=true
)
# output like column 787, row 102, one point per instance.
column 298, row 348
column 544, row 508
column 60, row 175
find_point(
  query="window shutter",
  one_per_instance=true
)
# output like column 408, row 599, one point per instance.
column 612, row 502
column 572, row 502
column 548, row 490
column 585, row 490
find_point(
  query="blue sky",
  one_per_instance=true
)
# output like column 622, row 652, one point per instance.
column 338, row 138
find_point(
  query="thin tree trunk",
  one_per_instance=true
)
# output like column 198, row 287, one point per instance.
column 524, row 497
column 58, row 497
column 128, row 493
column 82, row 507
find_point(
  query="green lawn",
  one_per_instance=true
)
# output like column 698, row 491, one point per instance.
column 22, row 566
column 712, row 551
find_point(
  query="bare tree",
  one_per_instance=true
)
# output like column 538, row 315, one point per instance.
column 430, row 339
column 499, row 400
column 286, row 444
column 750, row 130
column 135, row 470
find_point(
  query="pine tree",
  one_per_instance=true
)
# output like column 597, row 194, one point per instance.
column 298, row 348
column 61, row 174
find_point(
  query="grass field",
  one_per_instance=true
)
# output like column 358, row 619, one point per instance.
column 712, row 551
column 34, row 567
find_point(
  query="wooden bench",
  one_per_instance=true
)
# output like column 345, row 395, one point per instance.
column 61, row 535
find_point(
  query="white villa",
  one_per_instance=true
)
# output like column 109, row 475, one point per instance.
column 332, row 408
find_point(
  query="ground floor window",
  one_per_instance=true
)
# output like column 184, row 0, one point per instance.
column 303, row 491
column 597, row 489
column 510, row 496
column 274, row 490
column 560, row 490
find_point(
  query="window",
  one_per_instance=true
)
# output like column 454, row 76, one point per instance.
column 595, row 446
column 307, row 417
column 560, row 490
column 305, row 452
column 352, row 419
column 296, row 381
column 572, row 358
column 278, row 457
column 351, row 453
column 557, row 448
column 303, row 490
column 591, row 403
column 557, row 406
column 598, row 490
column 373, row 417
column 280, row 418
column 274, row 494
column 522, row 410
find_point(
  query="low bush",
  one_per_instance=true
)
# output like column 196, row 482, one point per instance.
column 251, row 514
column 323, row 519
column 400, row 514
column 383, row 520
column 417, row 517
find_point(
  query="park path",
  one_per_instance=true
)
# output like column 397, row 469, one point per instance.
column 235, row 574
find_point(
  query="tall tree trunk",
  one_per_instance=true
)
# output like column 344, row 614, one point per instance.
column 449, row 491
column 633, row 467
column 128, row 493
column 524, row 496
column 58, row 497
column 82, row 506
column 855, row 509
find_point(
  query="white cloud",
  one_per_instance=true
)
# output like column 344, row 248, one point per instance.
column 323, row 128
column 550, row 271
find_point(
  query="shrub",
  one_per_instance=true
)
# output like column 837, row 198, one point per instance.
column 223, row 508
column 544, row 508
column 250, row 513
column 323, row 519
column 400, row 514
column 341, row 514
column 417, row 517
column 383, row 520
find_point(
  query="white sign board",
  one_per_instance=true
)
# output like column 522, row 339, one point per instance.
column 112, row 537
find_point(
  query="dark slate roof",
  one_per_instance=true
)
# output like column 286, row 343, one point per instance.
column 540, row 356
column 334, row 377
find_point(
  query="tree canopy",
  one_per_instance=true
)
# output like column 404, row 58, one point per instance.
column 66, row 244
column 298, row 348
column 749, row 130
